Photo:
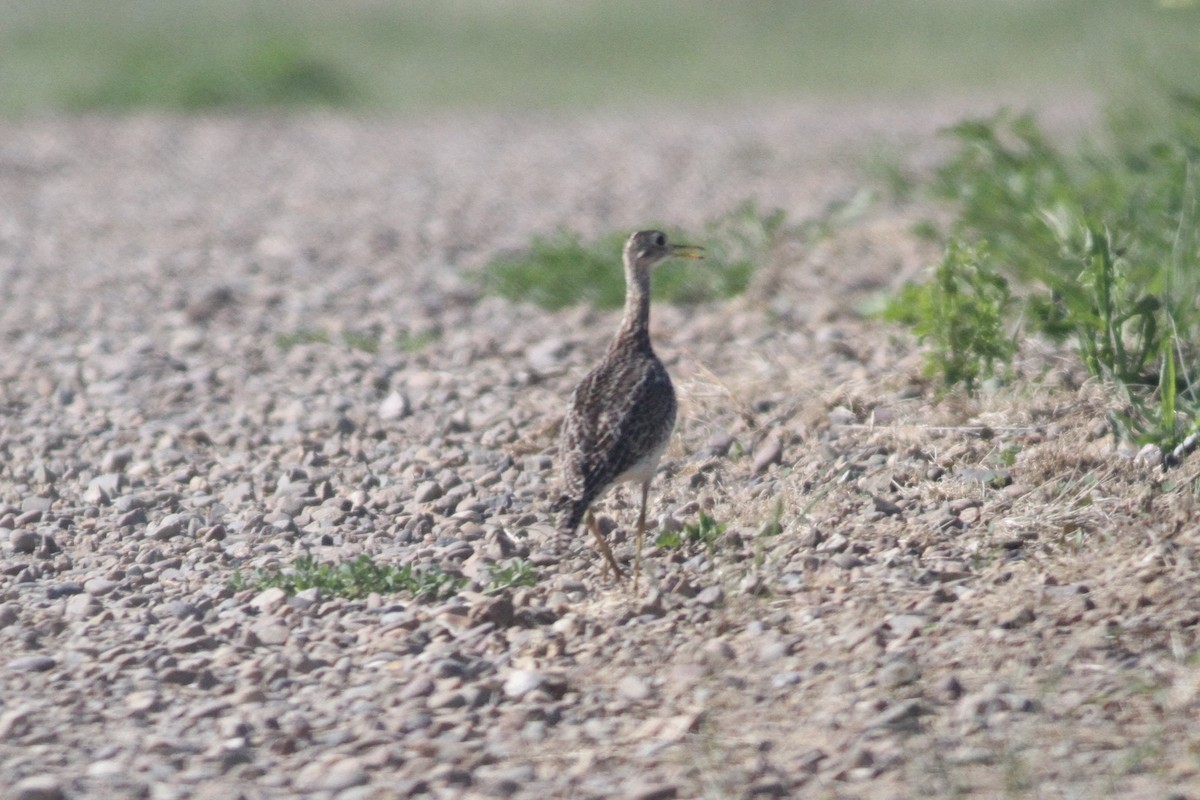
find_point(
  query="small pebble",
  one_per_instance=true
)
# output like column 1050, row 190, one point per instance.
column 718, row 650
column 1151, row 455
column 169, row 527
column 650, row 791
column 98, row 587
column 521, row 682
column 1015, row 617
column 899, row 671
column 768, row 452
column 116, row 460
column 82, row 605
column 711, row 596
column 30, row 664
column 271, row 633
column 319, row 776
column 395, row 406
column 631, row 687
column 269, row 600
column 427, row 492
column 24, row 541
column 905, row 625
column 39, row 787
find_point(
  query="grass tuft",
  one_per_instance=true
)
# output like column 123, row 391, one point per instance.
column 414, row 342
column 267, row 72
column 562, row 270
column 511, row 574
column 705, row 532
column 774, row 525
column 353, row 579
column 1100, row 247
column 960, row 315
column 367, row 341
column 286, row 341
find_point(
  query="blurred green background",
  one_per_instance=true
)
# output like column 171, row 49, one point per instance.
column 370, row 55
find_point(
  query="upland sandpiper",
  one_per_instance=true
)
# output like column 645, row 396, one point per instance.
column 622, row 413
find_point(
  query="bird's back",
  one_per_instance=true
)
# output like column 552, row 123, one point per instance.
column 619, row 421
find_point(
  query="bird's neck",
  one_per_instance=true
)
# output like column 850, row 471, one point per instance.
column 635, row 325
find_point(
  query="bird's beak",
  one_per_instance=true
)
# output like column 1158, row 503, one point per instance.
column 687, row 251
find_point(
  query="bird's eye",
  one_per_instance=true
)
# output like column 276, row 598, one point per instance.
column 660, row 240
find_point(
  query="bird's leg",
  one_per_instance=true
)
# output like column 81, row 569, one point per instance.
column 641, row 533
column 609, row 560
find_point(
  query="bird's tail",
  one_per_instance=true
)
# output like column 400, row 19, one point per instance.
column 572, row 511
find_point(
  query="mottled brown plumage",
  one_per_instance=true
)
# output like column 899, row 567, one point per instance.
column 622, row 413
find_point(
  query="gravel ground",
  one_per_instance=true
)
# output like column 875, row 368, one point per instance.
column 962, row 596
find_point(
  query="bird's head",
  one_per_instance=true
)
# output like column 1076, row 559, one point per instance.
column 647, row 249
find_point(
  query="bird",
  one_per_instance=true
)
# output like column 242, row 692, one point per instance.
column 621, row 415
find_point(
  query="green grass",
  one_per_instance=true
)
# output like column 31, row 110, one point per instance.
column 289, row 340
column 774, row 525
column 420, row 55
column 563, row 270
column 960, row 315
column 353, row 579
column 415, row 342
column 705, row 531
column 362, row 576
column 271, row 72
column 367, row 341
column 1098, row 246
column 515, row 572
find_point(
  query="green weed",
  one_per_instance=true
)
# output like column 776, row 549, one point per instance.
column 353, row 579
column 268, row 72
column 1100, row 246
column 512, row 573
column 669, row 540
column 1007, row 456
column 774, row 525
column 705, row 532
column 1017, row 777
column 367, row 341
column 415, row 342
column 286, row 341
column 562, row 270
column 960, row 315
